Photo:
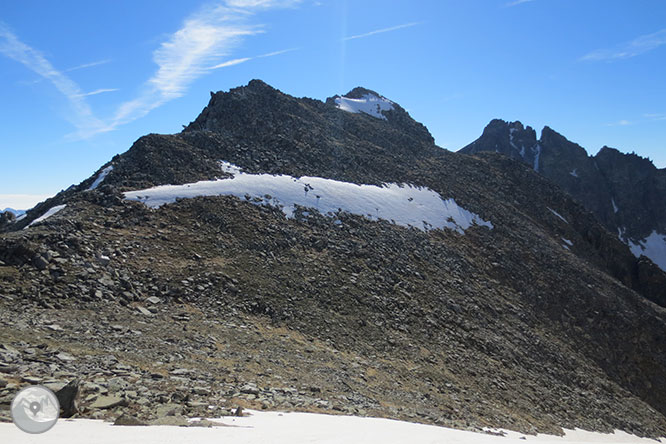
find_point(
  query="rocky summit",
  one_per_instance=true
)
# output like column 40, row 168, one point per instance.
column 289, row 253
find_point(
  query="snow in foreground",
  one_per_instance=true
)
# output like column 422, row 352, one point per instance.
column 405, row 205
column 368, row 104
column 654, row 247
column 292, row 428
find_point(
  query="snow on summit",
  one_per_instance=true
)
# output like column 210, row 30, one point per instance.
column 404, row 205
column 369, row 104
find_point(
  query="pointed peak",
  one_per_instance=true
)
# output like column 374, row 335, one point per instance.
column 549, row 135
column 499, row 126
column 609, row 151
column 500, row 123
column 259, row 85
column 548, row 130
column 359, row 92
column 497, row 123
column 255, row 86
column 516, row 125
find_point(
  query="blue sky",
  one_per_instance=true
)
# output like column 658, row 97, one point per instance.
column 82, row 80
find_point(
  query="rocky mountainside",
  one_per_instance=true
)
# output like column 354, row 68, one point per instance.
column 626, row 192
column 327, row 256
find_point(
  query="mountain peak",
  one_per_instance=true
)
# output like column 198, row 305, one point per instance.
column 361, row 100
column 509, row 138
column 611, row 156
column 359, row 92
column 548, row 132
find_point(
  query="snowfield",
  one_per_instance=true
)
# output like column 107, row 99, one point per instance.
column 293, row 428
column 404, row 205
column 368, row 104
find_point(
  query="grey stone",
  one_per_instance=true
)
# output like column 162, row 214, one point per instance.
column 103, row 260
column 39, row 262
column 250, row 389
column 203, row 391
column 108, row 402
column 128, row 420
column 169, row 409
column 66, row 357
column 171, row 421
column 143, row 310
column 32, row 379
column 67, row 397
column 9, row 349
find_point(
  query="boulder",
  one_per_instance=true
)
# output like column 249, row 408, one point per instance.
column 67, row 397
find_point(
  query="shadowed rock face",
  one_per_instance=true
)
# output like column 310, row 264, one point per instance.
column 626, row 192
column 534, row 324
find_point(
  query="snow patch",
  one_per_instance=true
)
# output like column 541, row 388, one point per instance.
column 615, row 208
column 653, row 246
column 290, row 428
column 404, row 205
column 567, row 243
column 102, row 175
column 511, row 131
column 46, row 215
column 558, row 215
column 537, row 153
column 368, row 104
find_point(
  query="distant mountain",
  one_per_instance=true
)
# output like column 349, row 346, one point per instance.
column 9, row 217
column 626, row 192
column 16, row 213
column 291, row 253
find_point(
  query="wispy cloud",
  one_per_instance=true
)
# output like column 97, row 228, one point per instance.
column 381, row 31
column 280, row 52
column 208, row 35
column 636, row 47
column 74, row 68
column 231, row 62
column 262, row 4
column 516, row 3
column 246, row 59
column 645, row 118
column 99, row 91
column 82, row 116
column 88, row 65
column 620, row 123
column 655, row 116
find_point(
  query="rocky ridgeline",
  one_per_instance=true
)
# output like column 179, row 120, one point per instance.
column 626, row 192
column 533, row 325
